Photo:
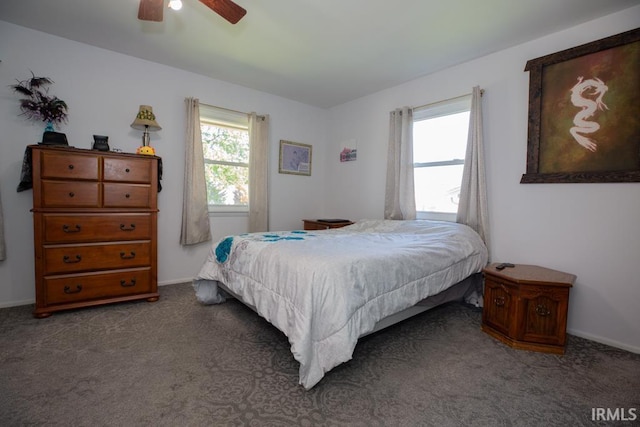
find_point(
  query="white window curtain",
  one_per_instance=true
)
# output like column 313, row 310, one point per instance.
column 472, row 209
column 258, row 173
column 195, row 209
column 399, row 199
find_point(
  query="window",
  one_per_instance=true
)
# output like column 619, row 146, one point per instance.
column 225, row 143
column 440, row 134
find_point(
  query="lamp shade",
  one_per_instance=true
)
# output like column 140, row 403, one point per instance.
column 145, row 120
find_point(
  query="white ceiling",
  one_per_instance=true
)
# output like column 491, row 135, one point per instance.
column 319, row 52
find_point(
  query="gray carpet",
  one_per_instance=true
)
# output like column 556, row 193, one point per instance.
column 178, row 363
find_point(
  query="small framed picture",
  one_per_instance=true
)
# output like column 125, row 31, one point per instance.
column 295, row 158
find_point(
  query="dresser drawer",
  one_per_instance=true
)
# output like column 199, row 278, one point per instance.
column 70, row 194
column 127, row 170
column 67, row 228
column 69, row 166
column 71, row 288
column 76, row 258
column 126, row 195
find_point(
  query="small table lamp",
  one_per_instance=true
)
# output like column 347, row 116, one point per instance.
column 146, row 121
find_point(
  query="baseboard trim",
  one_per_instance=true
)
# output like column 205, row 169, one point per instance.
column 17, row 303
column 604, row 341
column 33, row 301
column 176, row 281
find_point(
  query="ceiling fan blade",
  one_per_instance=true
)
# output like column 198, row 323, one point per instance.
column 151, row 10
column 226, row 8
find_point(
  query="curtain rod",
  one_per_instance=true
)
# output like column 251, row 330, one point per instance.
column 446, row 100
column 229, row 109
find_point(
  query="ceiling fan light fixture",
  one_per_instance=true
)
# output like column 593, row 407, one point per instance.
column 151, row 10
column 175, row 4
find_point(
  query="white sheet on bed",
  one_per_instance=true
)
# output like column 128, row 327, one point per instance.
column 324, row 289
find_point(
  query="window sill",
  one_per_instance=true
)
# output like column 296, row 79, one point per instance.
column 218, row 214
column 228, row 211
column 437, row 216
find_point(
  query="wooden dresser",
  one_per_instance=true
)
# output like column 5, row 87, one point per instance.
column 95, row 228
column 319, row 224
column 525, row 306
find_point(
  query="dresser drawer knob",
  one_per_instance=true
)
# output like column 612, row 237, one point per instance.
column 125, row 228
column 124, row 283
column 127, row 195
column 68, row 290
column 123, row 255
column 70, row 167
column 542, row 310
column 127, row 170
column 76, row 229
column 72, row 194
column 67, row 259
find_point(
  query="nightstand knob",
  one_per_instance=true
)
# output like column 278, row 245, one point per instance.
column 499, row 301
column 542, row 310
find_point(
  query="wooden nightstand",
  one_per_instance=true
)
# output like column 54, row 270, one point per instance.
column 319, row 224
column 526, row 306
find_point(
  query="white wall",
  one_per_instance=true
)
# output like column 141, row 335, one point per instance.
column 103, row 90
column 591, row 230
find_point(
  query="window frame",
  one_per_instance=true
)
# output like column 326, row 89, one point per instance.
column 221, row 117
column 448, row 107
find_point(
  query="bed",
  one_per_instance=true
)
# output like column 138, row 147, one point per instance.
column 326, row 289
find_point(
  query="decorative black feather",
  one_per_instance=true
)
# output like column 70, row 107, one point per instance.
column 38, row 104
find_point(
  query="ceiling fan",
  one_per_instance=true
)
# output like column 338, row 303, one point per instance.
column 151, row 10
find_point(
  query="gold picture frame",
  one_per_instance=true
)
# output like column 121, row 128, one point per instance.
column 584, row 114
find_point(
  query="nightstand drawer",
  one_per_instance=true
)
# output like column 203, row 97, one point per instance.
column 318, row 224
column 546, row 312
column 499, row 305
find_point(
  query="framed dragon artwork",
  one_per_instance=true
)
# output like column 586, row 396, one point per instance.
column 584, row 113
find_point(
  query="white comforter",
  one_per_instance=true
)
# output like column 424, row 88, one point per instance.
column 324, row 289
